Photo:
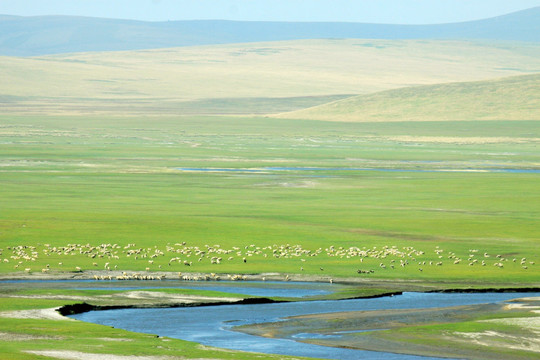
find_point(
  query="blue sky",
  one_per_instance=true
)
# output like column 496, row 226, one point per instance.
column 373, row 11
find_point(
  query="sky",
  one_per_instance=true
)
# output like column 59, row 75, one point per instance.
column 370, row 11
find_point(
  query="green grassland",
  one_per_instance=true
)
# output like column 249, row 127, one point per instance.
column 78, row 191
column 203, row 79
column 109, row 161
column 514, row 98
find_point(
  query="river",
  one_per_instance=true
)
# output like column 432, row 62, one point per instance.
column 213, row 325
column 353, row 169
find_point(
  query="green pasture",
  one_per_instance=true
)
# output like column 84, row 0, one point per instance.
column 106, row 187
column 137, row 178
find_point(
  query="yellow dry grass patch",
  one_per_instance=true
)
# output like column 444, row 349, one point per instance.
column 509, row 98
column 132, row 81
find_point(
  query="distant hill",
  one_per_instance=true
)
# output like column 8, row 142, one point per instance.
column 513, row 98
column 265, row 78
column 31, row 36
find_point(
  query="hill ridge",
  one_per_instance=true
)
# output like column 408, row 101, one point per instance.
column 508, row 98
column 32, row 36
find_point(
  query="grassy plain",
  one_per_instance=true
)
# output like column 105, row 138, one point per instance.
column 72, row 187
column 93, row 181
column 385, row 204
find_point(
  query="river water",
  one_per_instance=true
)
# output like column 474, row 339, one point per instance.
column 291, row 289
column 353, row 169
column 213, row 325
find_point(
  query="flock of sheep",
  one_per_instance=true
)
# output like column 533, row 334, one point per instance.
column 109, row 256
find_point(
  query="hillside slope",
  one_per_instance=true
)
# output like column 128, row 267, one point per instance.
column 514, row 98
column 31, row 36
column 162, row 81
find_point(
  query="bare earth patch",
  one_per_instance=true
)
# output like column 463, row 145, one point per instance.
column 77, row 355
column 179, row 298
column 7, row 336
column 114, row 339
column 522, row 342
column 44, row 314
column 494, row 339
column 529, row 323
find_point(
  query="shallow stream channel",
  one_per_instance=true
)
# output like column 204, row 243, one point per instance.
column 214, row 325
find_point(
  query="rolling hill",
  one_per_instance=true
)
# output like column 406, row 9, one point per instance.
column 32, row 36
column 258, row 78
column 513, row 98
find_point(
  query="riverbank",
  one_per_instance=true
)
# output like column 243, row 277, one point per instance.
column 420, row 314
column 37, row 302
column 31, row 324
column 483, row 331
column 391, row 286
